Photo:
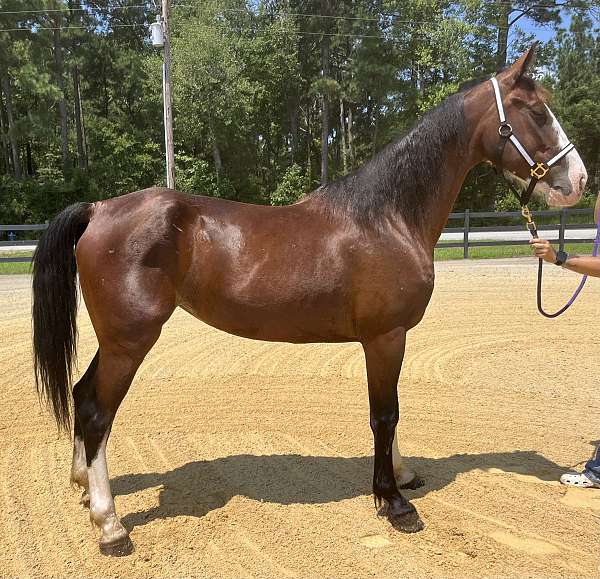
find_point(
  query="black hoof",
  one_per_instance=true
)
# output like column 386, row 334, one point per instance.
column 120, row 548
column 409, row 522
column 413, row 484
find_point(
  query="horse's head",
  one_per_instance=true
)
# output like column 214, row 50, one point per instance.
column 530, row 123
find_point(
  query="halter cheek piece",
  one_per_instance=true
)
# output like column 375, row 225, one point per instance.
column 536, row 170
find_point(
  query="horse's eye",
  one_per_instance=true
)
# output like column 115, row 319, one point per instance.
column 539, row 117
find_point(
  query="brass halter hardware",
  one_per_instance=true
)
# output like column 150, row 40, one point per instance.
column 531, row 226
column 539, row 171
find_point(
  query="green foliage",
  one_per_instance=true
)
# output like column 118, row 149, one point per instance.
column 122, row 162
column 197, row 176
column 291, row 187
column 249, row 82
column 36, row 200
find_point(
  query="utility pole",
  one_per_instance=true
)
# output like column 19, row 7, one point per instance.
column 167, row 98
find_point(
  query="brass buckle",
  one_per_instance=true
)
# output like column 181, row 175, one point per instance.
column 527, row 215
column 539, row 171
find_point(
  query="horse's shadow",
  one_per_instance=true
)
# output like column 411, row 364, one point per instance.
column 196, row 488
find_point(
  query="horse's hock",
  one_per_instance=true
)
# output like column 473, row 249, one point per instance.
column 235, row 457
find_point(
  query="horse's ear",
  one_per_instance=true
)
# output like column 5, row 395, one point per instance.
column 521, row 66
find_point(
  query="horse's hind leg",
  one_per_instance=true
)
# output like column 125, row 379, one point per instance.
column 384, row 355
column 126, row 333
column 96, row 404
column 79, row 475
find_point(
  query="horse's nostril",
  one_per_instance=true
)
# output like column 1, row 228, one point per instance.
column 582, row 181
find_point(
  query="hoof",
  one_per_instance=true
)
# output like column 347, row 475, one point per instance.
column 120, row 548
column 414, row 483
column 409, row 522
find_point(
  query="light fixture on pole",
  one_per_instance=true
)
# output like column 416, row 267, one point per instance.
column 156, row 31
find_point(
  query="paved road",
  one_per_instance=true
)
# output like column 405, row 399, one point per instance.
column 517, row 235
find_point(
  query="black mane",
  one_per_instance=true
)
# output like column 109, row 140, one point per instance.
column 406, row 173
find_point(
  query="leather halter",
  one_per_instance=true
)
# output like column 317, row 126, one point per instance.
column 536, row 170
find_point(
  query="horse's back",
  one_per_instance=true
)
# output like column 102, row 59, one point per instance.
column 293, row 273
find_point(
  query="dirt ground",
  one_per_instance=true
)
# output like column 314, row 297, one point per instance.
column 236, row 458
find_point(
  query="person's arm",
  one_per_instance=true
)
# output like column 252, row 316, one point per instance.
column 578, row 263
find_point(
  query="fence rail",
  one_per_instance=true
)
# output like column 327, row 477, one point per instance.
column 466, row 217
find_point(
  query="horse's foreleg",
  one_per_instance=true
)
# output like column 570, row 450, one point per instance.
column 384, row 356
column 406, row 477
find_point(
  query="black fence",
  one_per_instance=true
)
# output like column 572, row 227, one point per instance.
column 470, row 221
column 558, row 221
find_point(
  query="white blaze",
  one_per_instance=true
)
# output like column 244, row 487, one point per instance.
column 575, row 168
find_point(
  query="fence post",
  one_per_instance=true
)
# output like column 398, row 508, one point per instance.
column 466, row 236
column 561, row 230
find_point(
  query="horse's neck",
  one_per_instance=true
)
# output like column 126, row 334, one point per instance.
column 457, row 162
column 441, row 205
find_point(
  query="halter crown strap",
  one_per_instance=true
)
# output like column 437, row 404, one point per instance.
column 498, row 100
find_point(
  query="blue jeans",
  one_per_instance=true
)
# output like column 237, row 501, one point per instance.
column 592, row 467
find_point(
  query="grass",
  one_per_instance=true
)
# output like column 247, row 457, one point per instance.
column 495, row 251
column 15, row 267
column 441, row 254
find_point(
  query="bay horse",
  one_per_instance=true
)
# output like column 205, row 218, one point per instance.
column 351, row 262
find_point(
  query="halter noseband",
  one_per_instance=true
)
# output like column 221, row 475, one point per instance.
column 536, row 170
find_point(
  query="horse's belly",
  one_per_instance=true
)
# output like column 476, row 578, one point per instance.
column 276, row 320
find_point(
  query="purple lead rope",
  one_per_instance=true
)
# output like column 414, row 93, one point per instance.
column 579, row 287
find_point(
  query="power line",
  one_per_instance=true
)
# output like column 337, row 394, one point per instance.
column 239, row 10
column 45, row 10
column 36, row 28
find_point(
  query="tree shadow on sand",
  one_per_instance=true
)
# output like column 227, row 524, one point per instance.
column 196, row 488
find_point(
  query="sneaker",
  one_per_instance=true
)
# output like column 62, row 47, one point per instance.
column 577, row 479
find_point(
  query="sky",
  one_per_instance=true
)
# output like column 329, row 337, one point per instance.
column 545, row 33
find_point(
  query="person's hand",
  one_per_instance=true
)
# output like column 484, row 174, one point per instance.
column 543, row 249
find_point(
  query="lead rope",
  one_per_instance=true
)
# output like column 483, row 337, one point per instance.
column 534, row 233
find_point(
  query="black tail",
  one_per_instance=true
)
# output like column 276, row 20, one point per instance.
column 55, row 309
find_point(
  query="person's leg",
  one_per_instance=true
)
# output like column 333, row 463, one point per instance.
column 592, row 467
column 590, row 477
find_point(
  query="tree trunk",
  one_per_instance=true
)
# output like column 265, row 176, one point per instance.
column 12, row 137
column 325, row 113
column 502, row 48
column 79, row 122
column 216, row 152
column 4, row 139
column 309, row 139
column 350, row 138
column 294, row 116
column 76, row 19
column 30, row 168
column 62, row 103
column 343, row 137
column 375, row 129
